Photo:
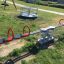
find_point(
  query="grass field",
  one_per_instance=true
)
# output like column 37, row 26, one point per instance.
column 8, row 18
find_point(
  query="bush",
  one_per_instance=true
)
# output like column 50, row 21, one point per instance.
column 61, row 38
column 31, row 38
column 30, row 47
column 53, row 2
column 23, row 62
column 42, row 3
column 15, row 52
column 57, row 5
column 3, row 58
column 27, row 46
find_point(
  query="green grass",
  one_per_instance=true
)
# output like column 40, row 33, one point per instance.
column 50, row 56
column 8, row 18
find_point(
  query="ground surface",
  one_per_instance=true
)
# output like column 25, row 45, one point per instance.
column 6, row 49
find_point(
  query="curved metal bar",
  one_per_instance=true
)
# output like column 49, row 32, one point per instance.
column 5, row 4
column 61, row 23
column 14, row 4
column 25, row 28
column 10, row 30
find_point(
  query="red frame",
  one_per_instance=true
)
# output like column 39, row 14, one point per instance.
column 10, row 38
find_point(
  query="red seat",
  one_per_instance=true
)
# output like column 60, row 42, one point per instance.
column 10, row 38
column 26, row 34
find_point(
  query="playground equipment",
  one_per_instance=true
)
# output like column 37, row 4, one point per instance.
column 28, row 14
column 9, row 38
column 43, row 40
column 6, row 4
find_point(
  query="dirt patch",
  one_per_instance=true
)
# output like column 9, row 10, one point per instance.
column 6, row 49
column 51, row 47
column 56, row 20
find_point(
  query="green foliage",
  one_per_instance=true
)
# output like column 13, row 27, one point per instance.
column 23, row 62
column 53, row 2
column 48, row 57
column 27, row 46
column 31, row 38
column 60, row 43
column 57, row 5
column 61, row 38
column 15, row 52
column 33, row 25
column 3, row 58
column 43, row 3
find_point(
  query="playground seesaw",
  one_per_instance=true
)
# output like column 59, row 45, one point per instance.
column 45, row 31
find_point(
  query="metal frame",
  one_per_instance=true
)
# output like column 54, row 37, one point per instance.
column 5, row 4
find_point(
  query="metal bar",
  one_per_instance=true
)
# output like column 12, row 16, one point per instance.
column 21, row 57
